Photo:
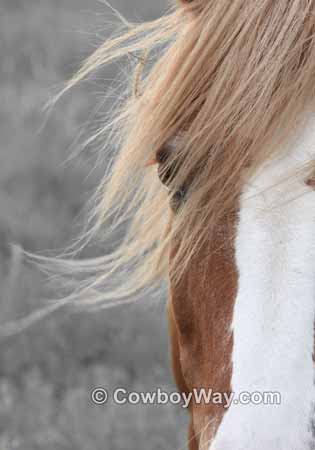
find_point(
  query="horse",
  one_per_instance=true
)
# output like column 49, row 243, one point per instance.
column 222, row 105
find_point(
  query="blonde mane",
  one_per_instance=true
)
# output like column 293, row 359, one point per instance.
column 228, row 84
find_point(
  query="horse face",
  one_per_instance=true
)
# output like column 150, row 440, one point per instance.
column 243, row 314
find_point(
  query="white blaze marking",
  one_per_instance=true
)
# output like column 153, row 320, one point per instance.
column 273, row 320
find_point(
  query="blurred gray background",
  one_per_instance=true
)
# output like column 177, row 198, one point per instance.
column 48, row 372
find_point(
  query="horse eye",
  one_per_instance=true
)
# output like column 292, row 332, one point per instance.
column 184, row 2
column 190, row 5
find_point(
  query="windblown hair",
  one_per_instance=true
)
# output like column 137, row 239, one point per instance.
column 231, row 79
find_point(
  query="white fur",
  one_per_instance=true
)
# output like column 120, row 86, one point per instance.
column 274, row 313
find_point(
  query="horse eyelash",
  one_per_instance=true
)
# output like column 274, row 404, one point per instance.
column 184, row 2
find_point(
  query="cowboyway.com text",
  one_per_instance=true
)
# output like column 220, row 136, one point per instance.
column 121, row 396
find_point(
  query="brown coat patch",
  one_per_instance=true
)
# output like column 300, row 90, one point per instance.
column 200, row 316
